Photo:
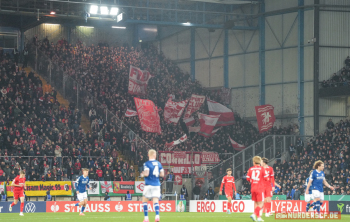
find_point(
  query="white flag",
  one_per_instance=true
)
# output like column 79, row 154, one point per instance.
column 130, row 113
column 95, row 187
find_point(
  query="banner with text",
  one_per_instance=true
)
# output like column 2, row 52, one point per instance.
column 108, row 206
column 210, row 157
column 39, row 188
column 148, row 115
column 138, row 80
column 124, row 186
column 194, row 104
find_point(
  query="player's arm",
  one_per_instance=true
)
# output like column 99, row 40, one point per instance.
column 249, row 175
column 77, row 185
column 308, row 185
column 222, row 185
column 88, row 184
column 15, row 185
column 161, row 170
column 272, row 179
column 234, row 185
column 25, row 186
column 276, row 184
column 327, row 184
column 145, row 171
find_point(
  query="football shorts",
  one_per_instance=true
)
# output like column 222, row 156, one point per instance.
column 18, row 194
column 258, row 196
column 309, row 197
column 151, row 191
column 82, row 196
column 229, row 195
column 268, row 192
column 318, row 194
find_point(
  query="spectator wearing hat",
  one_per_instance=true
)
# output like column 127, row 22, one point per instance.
column 120, row 176
column 99, row 174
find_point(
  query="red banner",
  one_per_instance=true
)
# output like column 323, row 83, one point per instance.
column 210, row 157
column 148, row 115
column 123, row 186
column 236, row 146
column 167, row 158
column 179, row 154
column 138, row 80
column 226, row 115
column 208, row 123
column 265, row 117
column 108, row 206
column 173, row 111
column 193, row 105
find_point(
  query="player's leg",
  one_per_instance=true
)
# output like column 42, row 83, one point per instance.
column 155, row 194
column 259, row 205
column 83, row 205
column 22, row 205
column 253, row 216
column 317, row 195
column 229, row 203
column 267, row 206
column 15, row 201
column 146, row 196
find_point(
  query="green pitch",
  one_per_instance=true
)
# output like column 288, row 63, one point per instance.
column 138, row 217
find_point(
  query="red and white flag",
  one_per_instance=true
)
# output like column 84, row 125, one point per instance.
column 265, row 117
column 176, row 142
column 207, row 123
column 193, row 105
column 194, row 129
column 236, row 146
column 148, row 115
column 226, row 115
column 138, row 80
column 106, row 186
column 130, row 113
column 215, row 130
column 173, row 110
column 189, row 121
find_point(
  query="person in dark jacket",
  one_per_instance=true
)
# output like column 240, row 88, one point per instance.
column 3, row 197
column 184, row 192
column 128, row 196
column 196, row 192
column 170, row 178
column 107, row 197
column 210, row 194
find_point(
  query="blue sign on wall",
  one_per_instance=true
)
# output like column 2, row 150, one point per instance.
column 29, row 207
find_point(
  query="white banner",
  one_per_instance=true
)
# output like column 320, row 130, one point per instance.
column 95, row 187
column 106, row 186
column 2, row 186
column 220, row 206
column 138, row 80
column 139, row 186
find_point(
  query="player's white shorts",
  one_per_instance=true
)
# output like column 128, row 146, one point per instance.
column 318, row 194
column 308, row 197
column 151, row 191
column 82, row 196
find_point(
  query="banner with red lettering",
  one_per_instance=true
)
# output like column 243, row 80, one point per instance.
column 148, row 115
column 194, row 104
column 179, row 165
column 108, row 206
column 236, row 146
column 265, row 117
column 123, row 186
column 210, row 157
column 207, row 123
column 226, row 115
column 138, row 80
column 130, row 113
column 176, row 142
column 173, row 111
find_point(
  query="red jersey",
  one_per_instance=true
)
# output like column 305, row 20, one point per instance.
column 19, row 181
column 229, row 182
column 256, row 176
column 270, row 177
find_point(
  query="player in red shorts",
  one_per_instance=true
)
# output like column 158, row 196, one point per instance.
column 269, row 186
column 256, row 176
column 18, row 191
column 229, row 182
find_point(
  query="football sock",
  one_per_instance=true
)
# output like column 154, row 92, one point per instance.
column 229, row 205
column 318, row 206
column 307, row 207
column 13, row 204
column 156, row 208
column 22, row 205
column 257, row 211
column 82, row 209
column 321, row 203
column 145, row 210
column 77, row 204
column 268, row 209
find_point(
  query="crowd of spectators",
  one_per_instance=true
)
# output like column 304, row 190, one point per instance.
column 332, row 147
column 339, row 79
column 103, row 71
column 45, row 138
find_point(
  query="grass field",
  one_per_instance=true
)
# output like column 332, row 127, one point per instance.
column 138, row 217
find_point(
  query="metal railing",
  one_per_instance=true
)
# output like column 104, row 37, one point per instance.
column 271, row 147
column 74, row 91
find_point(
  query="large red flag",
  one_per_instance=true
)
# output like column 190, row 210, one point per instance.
column 226, row 115
column 265, row 117
column 236, row 146
column 193, row 105
column 138, row 80
column 174, row 110
column 148, row 115
column 207, row 123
